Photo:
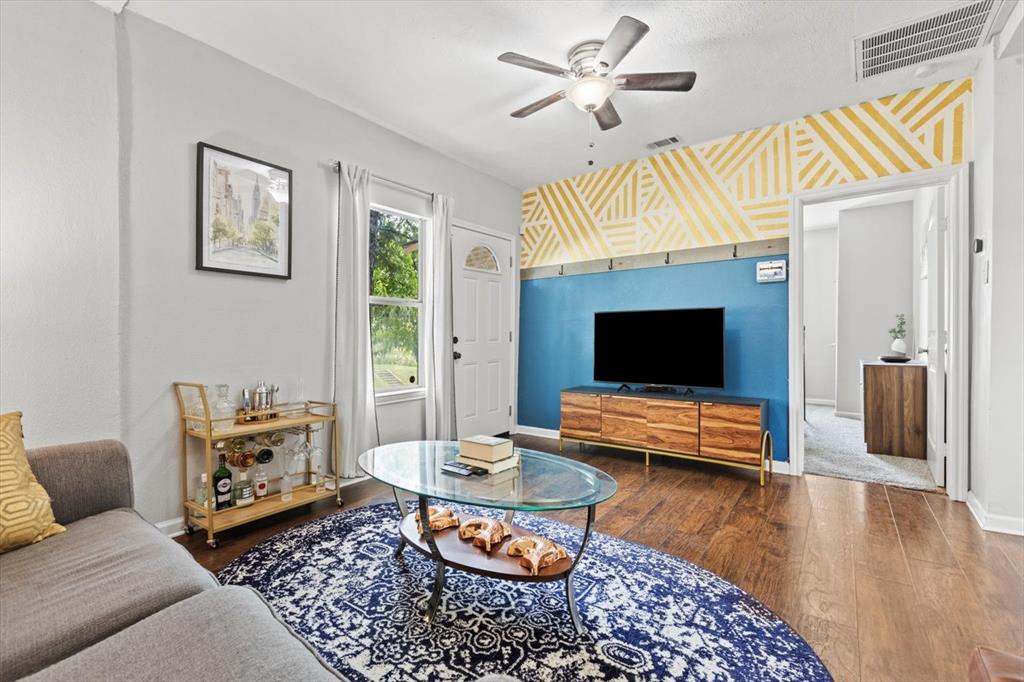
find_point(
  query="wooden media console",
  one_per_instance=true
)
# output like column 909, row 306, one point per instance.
column 722, row 429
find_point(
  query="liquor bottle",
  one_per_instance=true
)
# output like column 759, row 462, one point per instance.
column 243, row 492
column 222, row 485
column 261, row 482
column 201, row 498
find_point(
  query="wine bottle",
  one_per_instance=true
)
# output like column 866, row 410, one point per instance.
column 222, row 485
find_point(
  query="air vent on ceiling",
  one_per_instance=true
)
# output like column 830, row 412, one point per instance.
column 665, row 142
column 937, row 35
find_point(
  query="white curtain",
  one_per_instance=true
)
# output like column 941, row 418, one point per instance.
column 353, row 364
column 437, row 324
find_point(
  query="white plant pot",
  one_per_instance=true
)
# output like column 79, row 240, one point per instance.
column 899, row 346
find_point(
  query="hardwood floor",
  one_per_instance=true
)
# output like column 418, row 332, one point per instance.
column 885, row 583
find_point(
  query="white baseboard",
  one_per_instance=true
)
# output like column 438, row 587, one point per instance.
column 850, row 415
column 997, row 523
column 820, row 401
column 172, row 528
column 536, row 431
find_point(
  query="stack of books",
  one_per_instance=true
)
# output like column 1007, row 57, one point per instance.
column 493, row 454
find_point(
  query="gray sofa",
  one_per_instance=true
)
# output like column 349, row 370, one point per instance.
column 114, row 599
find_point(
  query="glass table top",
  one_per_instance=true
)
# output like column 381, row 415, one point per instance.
column 541, row 482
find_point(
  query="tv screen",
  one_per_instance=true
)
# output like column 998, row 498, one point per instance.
column 683, row 347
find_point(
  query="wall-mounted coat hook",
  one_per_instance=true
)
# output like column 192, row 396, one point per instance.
column 561, row 269
column 733, row 250
column 610, row 261
column 667, row 261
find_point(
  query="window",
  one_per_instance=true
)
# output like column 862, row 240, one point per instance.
column 395, row 302
column 481, row 258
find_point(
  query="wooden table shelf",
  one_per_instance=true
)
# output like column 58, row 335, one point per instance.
column 272, row 504
column 299, row 417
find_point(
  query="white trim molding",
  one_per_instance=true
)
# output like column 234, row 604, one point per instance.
column 956, row 181
column 821, row 401
column 172, row 528
column 536, row 431
column 997, row 523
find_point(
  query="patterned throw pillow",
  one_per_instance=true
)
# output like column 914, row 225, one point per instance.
column 25, row 513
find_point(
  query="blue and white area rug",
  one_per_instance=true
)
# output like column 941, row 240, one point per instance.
column 648, row 615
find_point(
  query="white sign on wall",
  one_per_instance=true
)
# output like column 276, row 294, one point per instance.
column 771, row 271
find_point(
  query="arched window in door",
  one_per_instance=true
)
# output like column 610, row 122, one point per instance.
column 480, row 257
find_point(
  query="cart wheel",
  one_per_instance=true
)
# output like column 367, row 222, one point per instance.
column 189, row 529
column 214, row 544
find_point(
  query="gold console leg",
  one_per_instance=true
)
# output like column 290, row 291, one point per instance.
column 561, row 444
column 647, row 459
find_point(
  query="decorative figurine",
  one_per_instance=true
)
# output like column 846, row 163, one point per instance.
column 440, row 518
column 484, row 532
column 536, row 552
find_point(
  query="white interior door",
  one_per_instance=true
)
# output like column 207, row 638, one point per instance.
column 482, row 319
column 936, row 350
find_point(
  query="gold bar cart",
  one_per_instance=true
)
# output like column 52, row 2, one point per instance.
column 301, row 418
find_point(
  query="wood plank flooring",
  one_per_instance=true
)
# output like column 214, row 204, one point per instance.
column 885, row 583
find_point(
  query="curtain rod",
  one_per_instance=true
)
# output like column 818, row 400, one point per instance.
column 336, row 165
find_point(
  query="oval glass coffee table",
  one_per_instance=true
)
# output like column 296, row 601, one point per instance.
column 541, row 482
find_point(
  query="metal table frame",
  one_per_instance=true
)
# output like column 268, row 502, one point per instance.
column 440, row 563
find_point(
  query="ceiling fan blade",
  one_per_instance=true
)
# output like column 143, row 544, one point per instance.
column 674, row 81
column 606, row 115
column 538, row 105
column 677, row 81
column 626, row 34
column 535, row 64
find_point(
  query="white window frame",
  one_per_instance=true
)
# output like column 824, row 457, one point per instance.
column 418, row 391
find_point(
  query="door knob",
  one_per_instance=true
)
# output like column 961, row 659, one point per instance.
column 457, row 355
column 455, row 339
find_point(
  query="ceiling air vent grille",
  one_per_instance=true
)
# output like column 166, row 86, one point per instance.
column 665, row 142
column 927, row 39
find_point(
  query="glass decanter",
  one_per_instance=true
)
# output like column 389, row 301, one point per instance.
column 223, row 410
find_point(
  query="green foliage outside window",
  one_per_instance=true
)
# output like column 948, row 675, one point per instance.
column 394, row 273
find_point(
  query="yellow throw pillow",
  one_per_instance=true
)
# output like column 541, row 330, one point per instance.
column 25, row 513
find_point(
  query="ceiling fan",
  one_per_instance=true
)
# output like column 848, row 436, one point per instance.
column 592, row 84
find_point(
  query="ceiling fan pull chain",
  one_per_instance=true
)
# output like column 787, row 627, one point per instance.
column 590, row 137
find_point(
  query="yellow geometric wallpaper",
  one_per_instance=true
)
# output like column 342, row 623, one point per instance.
column 736, row 189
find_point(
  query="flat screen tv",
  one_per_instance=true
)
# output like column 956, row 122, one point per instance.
column 684, row 347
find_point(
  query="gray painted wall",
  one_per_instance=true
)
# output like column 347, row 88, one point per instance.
column 820, row 313
column 875, row 282
column 997, row 287
column 59, row 354
column 168, row 92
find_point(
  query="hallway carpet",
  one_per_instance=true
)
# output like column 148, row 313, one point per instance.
column 834, row 446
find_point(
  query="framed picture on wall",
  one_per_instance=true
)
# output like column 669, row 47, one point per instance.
column 243, row 214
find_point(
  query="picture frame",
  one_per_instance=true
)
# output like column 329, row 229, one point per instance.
column 243, row 214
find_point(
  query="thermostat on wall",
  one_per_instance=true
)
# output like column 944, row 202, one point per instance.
column 771, row 271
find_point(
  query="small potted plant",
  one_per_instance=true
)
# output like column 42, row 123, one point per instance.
column 898, row 333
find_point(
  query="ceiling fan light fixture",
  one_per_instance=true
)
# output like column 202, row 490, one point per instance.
column 590, row 92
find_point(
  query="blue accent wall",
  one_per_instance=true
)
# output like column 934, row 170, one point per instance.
column 556, row 331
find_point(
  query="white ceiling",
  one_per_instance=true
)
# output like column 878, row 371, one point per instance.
column 429, row 70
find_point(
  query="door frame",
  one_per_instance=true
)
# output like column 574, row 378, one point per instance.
column 513, row 250
column 956, row 180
